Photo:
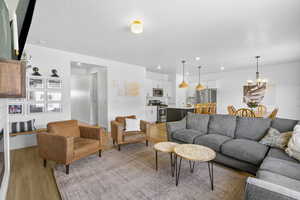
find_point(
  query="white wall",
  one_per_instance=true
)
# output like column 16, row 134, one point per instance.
column 285, row 95
column 46, row 59
column 3, row 124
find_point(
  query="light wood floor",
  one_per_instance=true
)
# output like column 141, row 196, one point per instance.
column 29, row 180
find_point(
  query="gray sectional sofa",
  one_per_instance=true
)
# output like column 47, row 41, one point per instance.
column 235, row 140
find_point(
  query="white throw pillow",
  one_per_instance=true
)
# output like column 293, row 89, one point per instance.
column 294, row 144
column 132, row 124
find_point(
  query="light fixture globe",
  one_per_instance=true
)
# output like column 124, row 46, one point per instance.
column 200, row 87
column 136, row 26
column 183, row 84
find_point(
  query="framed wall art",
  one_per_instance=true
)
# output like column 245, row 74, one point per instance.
column 36, row 95
column 16, row 109
column 54, row 96
column 54, row 107
column 54, row 83
column 35, row 83
column 36, row 108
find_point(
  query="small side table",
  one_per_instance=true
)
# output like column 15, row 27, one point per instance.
column 166, row 147
column 193, row 153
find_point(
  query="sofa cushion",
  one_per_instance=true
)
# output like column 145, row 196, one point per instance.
column 222, row 125
column 252, row 128
column 213, row 141
column 274, row 138
column 283, row 125
column 186, row 135
column 282, row 167
column 84, row 146
column 278, row 179
column 245, row 150
column 280, row 154
column 197, row 122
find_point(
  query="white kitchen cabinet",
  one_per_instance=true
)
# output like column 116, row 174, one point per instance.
column 151, row 114
column 168, row 92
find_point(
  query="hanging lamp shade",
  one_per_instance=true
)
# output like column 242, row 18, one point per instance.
column 200, row 86
column 183, row 84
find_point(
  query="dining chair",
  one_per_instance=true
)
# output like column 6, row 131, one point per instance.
column 245, row 112
column 261, row 111
column 231, row 110
column 273, row 114
column 198, row 108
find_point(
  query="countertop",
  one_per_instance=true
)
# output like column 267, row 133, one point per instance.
column 181, row 107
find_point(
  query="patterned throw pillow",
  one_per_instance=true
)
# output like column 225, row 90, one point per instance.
column 294, row 144
column 276, row 139
column 16, row 127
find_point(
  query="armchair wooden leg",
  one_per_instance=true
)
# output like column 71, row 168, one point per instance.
column 67, row 169
column 100, row 152
column 45, row 163
column 119, row 147
column 147, row 142
column 114, row 142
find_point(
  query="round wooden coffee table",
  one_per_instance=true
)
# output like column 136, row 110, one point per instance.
column 166, row 147
column 193, row 153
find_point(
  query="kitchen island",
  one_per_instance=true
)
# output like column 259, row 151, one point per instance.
column 176, row 113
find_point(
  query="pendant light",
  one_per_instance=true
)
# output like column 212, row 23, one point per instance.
column 259, row 80
column 199, row 87
column 183, row 84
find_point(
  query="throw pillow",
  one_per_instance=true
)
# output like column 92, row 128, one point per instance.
column 23, row 126
column 132, row 124
column 294, row 144
column 276, row 139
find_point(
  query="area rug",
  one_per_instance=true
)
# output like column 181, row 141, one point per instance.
column 130, row 174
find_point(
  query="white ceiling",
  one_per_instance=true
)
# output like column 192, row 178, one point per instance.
column 225, row 33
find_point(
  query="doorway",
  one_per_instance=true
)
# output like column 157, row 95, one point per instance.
column 89, row 94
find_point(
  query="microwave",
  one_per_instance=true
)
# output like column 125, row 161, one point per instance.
column 158, row 92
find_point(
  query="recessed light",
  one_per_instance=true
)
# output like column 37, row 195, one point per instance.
column 197, row 58
column 158, row 67
column 222, row 68
column 78, row 63
column 187, row 73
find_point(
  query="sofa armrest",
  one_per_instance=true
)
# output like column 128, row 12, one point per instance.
column 92, row 132
column 173, row 126
column 56, row 147
column 117, row 130
column 257, row 189
column 145, row 127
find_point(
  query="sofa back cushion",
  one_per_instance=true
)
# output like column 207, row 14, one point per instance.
column 197, row 122
column 252, row 128
column 222, row 125
column 121, row 119
column 64, row 128
column 283, row 125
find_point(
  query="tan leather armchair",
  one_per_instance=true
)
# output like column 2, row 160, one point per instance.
column 66, row 142
column 120, row 136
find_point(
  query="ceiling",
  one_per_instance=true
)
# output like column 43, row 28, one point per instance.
column 225, row 33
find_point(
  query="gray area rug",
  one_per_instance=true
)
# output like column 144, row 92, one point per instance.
column 130, row 174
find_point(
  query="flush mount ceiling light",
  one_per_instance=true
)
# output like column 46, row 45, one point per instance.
column 197, row 58
column 222, row 68
column 183, row 84
column 136, row 26
column 158, row 67
column 199, row 86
